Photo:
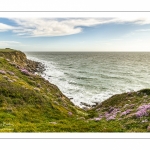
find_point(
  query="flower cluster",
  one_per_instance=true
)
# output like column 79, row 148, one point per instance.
column 70, row 113
column 111, row 117
column 126, row 112
column 24, row 71
column 112, row 114
column 142, row 110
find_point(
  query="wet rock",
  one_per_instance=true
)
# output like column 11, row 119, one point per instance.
column 85, row 104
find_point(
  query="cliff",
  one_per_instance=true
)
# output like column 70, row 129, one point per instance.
column 20, row 60
column 29, row 103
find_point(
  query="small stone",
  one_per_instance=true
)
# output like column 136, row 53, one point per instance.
column 148, row 128
column 56, row 102
column 37, row 89
column 2, row 72
column 14, row 80
column 97, row 119
column 11, row 73
column 6, row 77
column 8, row 60
column 38, row 85
column 16, row 77
column 10, row 80
column 53, row 122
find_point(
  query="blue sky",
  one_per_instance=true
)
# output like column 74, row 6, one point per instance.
column 75, row 34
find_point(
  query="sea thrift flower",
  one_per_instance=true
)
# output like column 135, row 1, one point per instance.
column 25, row 71
column 70, row 113
column 146, row 107
column 142, row 110
column 141, row 113
column 111, row 118
column 126, row 112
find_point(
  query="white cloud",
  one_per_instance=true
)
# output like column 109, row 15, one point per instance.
column 10, row 42
column 55, row 27
column 43, row 27
column 4, row 27
column 143, row 30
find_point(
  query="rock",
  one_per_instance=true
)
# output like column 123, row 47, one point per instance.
column 10, row 80
column 85, row 104
column 56, row 102
column 97, row 119
column 2, row 72
column 126, row 105
column 6, row 77
column 110, row 110
column 53, row 122
column 37, row 89
column 11, row 73
column 14, row 80
column 39, row 85
column 81, row 118
column 148, row 128
column 16, row 77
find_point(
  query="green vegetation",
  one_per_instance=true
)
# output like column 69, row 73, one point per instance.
column 29, row 103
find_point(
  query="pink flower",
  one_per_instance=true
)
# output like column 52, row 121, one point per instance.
column 126, row 112
column 70, row 113
column 142, row 110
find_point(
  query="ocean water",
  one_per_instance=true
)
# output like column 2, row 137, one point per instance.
column 95, row 76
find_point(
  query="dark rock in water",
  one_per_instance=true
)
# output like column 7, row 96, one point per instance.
column 85, row 104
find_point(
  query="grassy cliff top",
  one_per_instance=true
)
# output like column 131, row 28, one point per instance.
column 7, row 50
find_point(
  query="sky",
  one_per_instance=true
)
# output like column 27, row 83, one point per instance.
column 75, row 34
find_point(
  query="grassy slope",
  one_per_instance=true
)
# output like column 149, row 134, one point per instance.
column 32, row 104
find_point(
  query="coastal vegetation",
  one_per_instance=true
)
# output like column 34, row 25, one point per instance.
column 30, row 103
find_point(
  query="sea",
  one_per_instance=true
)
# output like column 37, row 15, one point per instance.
column 93, row 77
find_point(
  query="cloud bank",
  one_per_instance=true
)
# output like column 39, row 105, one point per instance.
column 44, row 27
